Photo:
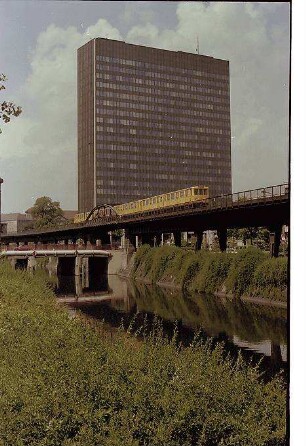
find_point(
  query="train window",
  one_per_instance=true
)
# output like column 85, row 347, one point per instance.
column 172, row 196
column 168, row 196
column 151, row 201
column 181, row 193
column 176, row 194
column 147, row 201
column 196, row 191
column 154, row 200
column 188, row 192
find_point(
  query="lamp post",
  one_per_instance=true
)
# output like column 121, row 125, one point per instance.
column 1, row 181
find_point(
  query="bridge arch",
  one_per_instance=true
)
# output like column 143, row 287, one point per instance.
column 102, row 211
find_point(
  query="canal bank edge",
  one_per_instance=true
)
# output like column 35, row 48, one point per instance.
column 250, row 275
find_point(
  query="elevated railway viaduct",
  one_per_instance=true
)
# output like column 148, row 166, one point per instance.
column 268, row 207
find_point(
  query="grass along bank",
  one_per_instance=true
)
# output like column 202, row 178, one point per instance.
column 62, row 383
column 249, row 272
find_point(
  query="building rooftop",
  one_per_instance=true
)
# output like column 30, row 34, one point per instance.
column 161, row 50
column 15, row 216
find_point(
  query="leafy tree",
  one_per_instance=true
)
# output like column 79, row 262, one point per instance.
column 248, row 234
column 7, row 109
column 46, row 213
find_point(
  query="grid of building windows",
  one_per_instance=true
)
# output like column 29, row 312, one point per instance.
column 159, row 121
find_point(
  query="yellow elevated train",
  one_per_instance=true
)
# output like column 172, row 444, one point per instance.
column 182, row 196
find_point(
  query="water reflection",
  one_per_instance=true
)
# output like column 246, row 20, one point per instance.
column 259, row 332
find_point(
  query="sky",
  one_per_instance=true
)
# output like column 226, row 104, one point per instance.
column 38, row 43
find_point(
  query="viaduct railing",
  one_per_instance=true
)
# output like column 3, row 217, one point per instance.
column 253, row 197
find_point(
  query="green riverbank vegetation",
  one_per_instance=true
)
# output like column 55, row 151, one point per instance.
column 64, row 383
column 249, row 272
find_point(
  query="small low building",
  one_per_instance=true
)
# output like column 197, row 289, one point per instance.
column 15, row 222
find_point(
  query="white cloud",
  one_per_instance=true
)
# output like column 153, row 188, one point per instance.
column 38, row 150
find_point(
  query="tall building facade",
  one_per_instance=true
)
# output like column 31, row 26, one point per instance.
column 150, row 121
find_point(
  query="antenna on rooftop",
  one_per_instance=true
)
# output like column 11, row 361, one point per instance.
column 198, row 47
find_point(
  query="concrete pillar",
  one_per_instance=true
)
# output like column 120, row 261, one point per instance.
column 12, row 261
column 185, row 237
column 162, row 240
column 52, row 265
column 137, row 242
column 130, row 242
column 199, row 238
column 177, row 238
column 78, row 286
column 111, row 239
column 222, row 236
column 31, row 263
column 78, row 266
column 205, row 240
column 84, row 269
column 275, row 237
column 157, row 239
column 122, row 241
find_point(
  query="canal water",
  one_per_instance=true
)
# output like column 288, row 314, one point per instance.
column 259, row 332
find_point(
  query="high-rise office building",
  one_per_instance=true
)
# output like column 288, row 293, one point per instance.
column 150, row 121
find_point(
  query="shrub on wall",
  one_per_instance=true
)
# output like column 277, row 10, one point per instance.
column 212, row 273
column 250, row 271
column 242, row 269
column 270, row 279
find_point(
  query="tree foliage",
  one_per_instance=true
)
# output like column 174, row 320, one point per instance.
column 46, row 213
column 258, row 236
column 7, row 109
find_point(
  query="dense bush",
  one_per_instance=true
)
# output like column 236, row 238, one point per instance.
column 140, row 255
column 242, row 270
column 161, row 258
column 212, row 273
column 250, row 271
column 270, row 279
column 63, row 383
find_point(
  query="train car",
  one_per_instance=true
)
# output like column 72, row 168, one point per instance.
column 81, row 217
column 182, row 196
